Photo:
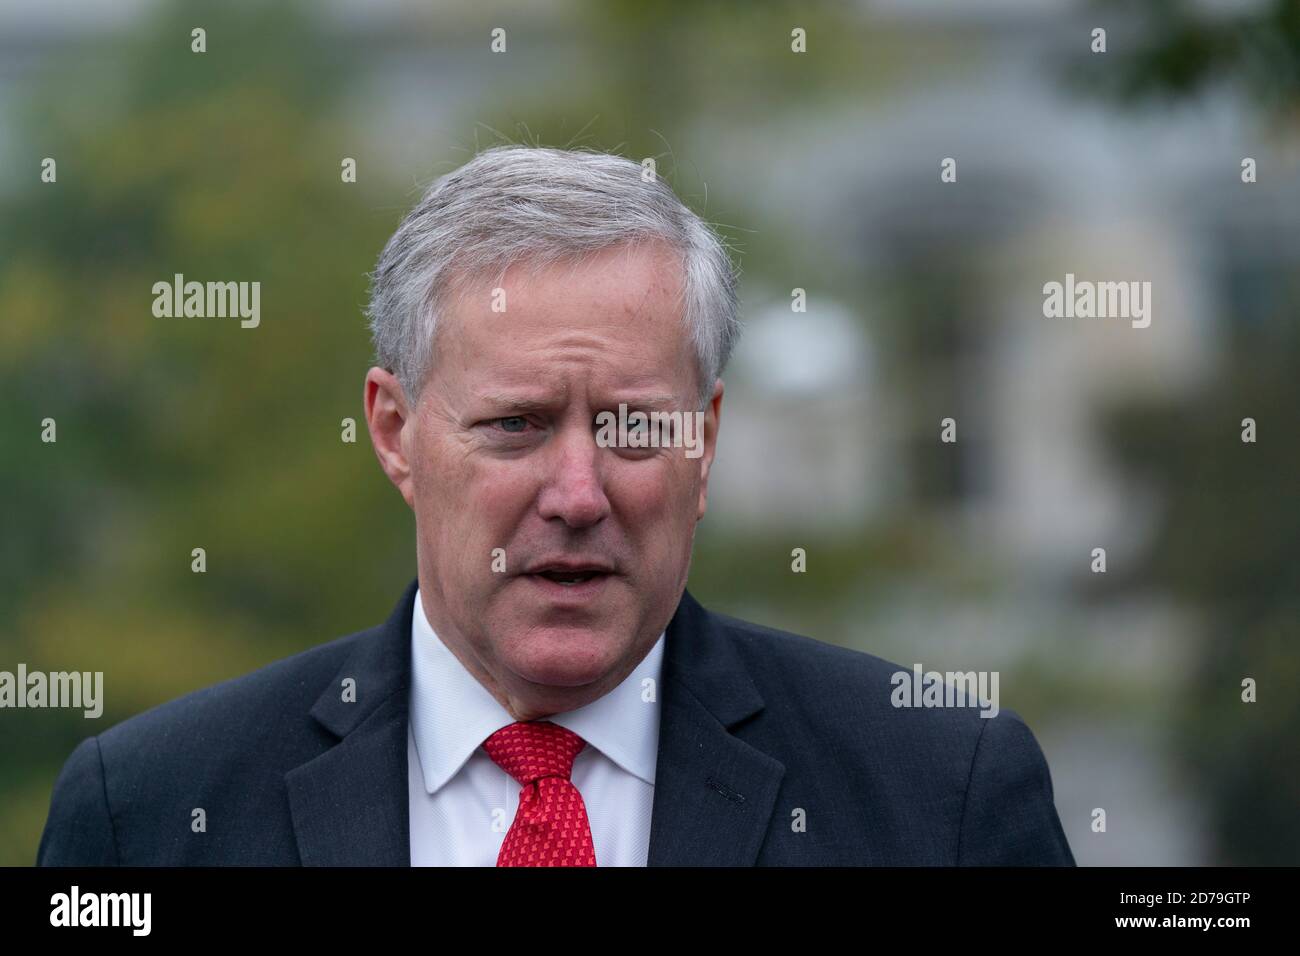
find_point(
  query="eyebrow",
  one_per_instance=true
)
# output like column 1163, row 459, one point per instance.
column 515, row 402
column 652, row 400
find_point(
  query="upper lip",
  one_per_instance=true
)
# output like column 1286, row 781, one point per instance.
column 571, row 566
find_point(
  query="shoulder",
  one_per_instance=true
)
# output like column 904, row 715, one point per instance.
column 945, row 782
column 768, row 648
column 244, row 733
column 840, row 696
column 228, row 744
column 252, row 705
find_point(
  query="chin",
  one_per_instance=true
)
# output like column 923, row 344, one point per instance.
column 565, row 656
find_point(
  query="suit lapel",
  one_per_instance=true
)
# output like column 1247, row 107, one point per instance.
column 350, row 804
column 714, row 793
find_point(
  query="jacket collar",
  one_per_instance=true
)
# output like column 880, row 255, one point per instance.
column 714, row 793
column 349, row 804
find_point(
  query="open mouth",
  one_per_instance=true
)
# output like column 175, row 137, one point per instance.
column 570, row 578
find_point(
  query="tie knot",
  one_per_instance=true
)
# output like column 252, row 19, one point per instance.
column 531, row 750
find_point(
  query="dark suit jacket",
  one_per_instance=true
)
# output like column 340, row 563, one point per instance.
column 756, row 724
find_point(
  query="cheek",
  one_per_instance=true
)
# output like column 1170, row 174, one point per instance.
column 465, row 508
column 486, row 511
column 658, row 503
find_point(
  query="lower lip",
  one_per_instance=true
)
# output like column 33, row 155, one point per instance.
column 570, row 593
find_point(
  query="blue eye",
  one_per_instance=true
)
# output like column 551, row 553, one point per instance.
column 514, row 424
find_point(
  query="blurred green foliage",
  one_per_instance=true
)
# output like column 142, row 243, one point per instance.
column 1170, row 50
column 176, row 434
column 1229, row 542
column 1229, row 538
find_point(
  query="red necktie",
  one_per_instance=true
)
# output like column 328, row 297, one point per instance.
column 550, row 826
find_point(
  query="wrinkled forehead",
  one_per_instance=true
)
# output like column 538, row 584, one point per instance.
column 620, row 269
column 616, row 314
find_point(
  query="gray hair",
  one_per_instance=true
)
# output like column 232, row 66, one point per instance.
column 539, row 206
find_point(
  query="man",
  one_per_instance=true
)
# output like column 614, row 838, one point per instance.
column 546, row 691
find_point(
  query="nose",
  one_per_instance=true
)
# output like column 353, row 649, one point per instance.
column 573, row 489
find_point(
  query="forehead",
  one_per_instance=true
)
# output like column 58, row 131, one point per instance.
column 614, row 313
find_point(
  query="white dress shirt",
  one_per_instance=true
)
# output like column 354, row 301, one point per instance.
column 462, row 804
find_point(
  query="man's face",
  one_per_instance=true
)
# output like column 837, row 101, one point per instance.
column 501, row 453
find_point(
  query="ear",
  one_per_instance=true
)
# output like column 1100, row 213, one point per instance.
column 386, row 418
column 712, row 415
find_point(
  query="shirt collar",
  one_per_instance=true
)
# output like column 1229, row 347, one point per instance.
column 452, row 713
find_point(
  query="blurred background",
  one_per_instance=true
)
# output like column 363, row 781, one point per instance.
column 822, row 172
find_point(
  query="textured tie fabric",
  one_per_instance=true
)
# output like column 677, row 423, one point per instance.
column 550, row 826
